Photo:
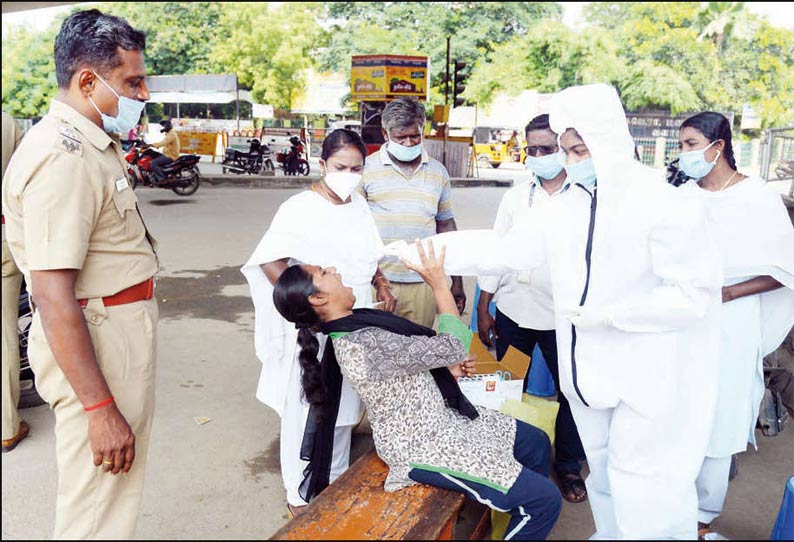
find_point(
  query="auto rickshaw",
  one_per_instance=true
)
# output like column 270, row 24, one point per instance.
column 491, row 146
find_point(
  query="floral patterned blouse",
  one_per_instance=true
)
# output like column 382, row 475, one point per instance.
column 411, row 425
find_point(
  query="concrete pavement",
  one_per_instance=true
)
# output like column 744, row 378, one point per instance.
column 220, row 480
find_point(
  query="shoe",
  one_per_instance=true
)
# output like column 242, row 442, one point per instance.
column 572, row 487
column 11, row 443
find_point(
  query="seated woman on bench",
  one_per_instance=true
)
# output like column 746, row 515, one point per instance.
column 424, row 428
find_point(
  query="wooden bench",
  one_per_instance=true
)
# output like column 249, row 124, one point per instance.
column 356, row 507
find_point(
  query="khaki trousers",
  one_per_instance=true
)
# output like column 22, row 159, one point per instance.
column 93, row 504
column 12, row 283
column 415, row 302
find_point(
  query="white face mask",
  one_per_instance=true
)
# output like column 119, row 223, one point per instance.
column 343, row 183
column 127, row 117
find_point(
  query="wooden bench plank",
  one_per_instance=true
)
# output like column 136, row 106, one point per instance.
column 355, row 507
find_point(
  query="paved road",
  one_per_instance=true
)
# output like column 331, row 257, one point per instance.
column 221, row 480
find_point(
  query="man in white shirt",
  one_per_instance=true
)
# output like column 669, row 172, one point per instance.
column 524, row 303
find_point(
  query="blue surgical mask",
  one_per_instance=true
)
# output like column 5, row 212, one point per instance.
column 582, row 172
column 402, row 153
column 694, row 163
column 546, row 167
column 129, row 113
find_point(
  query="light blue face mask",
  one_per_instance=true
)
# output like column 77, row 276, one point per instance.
column 402, row 153
column 694, row 163
column 546, row 167
column 583, row 172
column 129, row 113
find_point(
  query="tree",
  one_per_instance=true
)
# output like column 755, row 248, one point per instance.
column 29, row 82
column 269, row 49
column 476, row 28
column 721, row 20
column 549, row 58
column 179, row 35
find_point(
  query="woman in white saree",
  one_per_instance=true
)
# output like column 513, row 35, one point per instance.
column 756, row 241
column 329, row 225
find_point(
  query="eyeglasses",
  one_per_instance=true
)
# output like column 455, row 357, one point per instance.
column 542, row 150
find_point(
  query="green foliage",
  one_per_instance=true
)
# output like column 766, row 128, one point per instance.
column 269, row 48
column 179, row 35
column 28, row 72
column 681, row 56
column 550, row 57
column 476, row 28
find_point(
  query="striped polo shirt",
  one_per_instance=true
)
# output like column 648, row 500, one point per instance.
column 405, row 208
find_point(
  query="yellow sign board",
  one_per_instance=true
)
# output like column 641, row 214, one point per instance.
column 386, row 77
column 198, row 142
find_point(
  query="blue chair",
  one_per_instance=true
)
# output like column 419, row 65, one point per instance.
column 784, row 526
column 540, row 381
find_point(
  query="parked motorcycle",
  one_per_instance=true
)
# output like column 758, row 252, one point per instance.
column 182, row 175
column 28, row 395
column 256, row 160
column 294, row 159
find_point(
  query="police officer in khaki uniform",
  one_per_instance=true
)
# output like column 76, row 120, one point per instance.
column 14, row 430
column 75, row 230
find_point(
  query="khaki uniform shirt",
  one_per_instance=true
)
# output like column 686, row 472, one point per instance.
column 68, row 205
column 12, row 134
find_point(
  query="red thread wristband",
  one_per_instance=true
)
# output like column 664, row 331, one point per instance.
column 99, row 404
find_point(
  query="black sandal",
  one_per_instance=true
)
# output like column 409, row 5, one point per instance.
column 572, row 484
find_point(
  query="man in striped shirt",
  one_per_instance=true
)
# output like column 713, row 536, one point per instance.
column 409, row 196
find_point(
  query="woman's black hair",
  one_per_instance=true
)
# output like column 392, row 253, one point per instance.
column 713, row 126
column 341, row 138
column 291, row 298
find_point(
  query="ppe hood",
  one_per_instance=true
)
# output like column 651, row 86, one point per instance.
column 595, row 111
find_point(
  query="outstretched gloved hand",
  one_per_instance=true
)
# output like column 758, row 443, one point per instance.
column 589, row 317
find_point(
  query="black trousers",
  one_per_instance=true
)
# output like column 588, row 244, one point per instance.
column 157, row 166
column 567, row 444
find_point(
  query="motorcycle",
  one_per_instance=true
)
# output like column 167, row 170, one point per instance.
column 293, row 159
column 28, row 395
column 256, row 160
column 182, row 175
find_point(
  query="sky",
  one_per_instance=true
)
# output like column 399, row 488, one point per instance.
column 777, row 13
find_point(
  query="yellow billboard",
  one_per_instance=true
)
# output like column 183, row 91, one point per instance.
column 198, row 142
column 386, row 77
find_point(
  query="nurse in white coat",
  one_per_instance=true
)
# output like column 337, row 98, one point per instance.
column 330, row 226
column 636, row 282
column 756, row 241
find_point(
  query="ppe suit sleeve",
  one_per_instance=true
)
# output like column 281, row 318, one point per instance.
column 483, row 252
column 686, row 260
column 502, row 223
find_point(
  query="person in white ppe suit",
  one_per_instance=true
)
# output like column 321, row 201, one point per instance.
column 756, row 240
column 636, row 282
column 524, row 307
column 330, row 225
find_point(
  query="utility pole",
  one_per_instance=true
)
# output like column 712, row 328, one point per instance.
column 446, row 106
column 446, row 81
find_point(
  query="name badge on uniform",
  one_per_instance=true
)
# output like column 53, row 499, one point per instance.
column 121, row 184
